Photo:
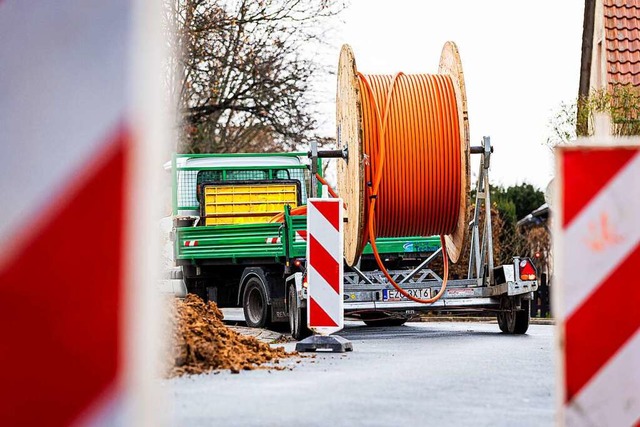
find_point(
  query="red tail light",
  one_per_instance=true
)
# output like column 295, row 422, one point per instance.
column 527, row 272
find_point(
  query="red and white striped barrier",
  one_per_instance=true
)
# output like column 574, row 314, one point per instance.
column 78, row 128
column 597, row 286
column 324, row 265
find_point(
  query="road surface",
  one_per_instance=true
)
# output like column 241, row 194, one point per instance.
column 441, row 374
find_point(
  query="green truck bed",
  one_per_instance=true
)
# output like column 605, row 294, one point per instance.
column 253, row 243
column 275, row 242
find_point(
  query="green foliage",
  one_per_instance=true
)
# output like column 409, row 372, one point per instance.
column 516, row 201
column 507, row 210
column 620, row 102
column 512, row 204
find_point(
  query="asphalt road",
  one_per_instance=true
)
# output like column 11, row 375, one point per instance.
column 436, row 374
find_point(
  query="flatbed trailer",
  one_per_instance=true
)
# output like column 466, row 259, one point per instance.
column 261, row 265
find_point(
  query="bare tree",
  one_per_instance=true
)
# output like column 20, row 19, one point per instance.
column 244, row 70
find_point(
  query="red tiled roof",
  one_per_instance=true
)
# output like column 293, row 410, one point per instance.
column 622, row 33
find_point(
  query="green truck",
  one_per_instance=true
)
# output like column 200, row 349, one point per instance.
column 239, row 238
column 227, row 245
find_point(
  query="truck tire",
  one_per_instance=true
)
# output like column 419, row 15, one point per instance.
column 254, row 304
column 514, row 321
column 379, row 320
column 297, row 316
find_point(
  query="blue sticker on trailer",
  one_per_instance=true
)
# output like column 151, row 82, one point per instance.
column 385, row 294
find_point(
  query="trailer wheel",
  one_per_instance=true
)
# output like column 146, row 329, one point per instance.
column 511, row 320
column 254, row 304
column 297, row 316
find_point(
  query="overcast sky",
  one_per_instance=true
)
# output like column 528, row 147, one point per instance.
column 520, row 59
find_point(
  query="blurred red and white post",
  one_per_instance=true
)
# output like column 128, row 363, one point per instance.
column 596, row 287
column 80, row 142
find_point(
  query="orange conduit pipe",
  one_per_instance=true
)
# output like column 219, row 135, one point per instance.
column 412, row 140
column 323, row 181
column 299, row 210
column 302, row 210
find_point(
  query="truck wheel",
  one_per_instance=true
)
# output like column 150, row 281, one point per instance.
column 254, row 304
column 382, row 319
column 297, row 316
column 512, row 320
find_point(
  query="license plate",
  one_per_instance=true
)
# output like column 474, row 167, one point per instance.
column 394, row 295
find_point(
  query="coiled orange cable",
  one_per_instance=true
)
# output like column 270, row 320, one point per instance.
column 414, row 171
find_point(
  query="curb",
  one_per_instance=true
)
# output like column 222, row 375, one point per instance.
column 478, row 319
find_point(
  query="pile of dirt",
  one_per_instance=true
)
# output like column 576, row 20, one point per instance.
column 202, row 343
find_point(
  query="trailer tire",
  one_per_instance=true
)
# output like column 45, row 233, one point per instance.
column 511, row 320
column 523, row 317
column 297, row 316
column 254, row 304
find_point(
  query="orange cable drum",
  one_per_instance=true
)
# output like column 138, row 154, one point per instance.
column 407, row 173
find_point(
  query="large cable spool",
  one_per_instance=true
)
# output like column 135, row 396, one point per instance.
column 422, row 171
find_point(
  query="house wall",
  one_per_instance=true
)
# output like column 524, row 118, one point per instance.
column 601, row 124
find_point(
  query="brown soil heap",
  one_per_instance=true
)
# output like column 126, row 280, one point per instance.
column 202, row 343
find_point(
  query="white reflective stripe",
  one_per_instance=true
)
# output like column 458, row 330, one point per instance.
column 62, row 92
column 620, row 202
column 330, row 301
column 612, row 397
column 324, row 232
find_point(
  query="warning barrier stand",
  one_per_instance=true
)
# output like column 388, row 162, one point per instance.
column 325, row 311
